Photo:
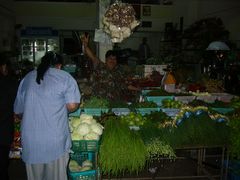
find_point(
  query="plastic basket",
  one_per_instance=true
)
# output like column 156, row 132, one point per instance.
column 85, row 146
column 75, row 113
column 145, row 91
column 149, row 89
column 233, row 169
column 70, row 68
column 144, row 111
column 89, row 174
column 184, row 99
column 172, row 112
column 225, row 97
column 120, row 111
column 223, row 110
column 208, row 99
column 158, row 99
column 95, row 111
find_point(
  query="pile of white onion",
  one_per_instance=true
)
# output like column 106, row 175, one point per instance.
column 119, row 21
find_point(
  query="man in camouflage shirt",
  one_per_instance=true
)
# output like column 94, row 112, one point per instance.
column 108, row 79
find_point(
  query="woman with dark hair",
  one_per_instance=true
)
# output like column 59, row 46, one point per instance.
column 8, row 90
column 44, row 99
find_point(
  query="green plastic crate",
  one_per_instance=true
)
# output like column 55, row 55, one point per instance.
column 144, row 111
column 171, row 112
column 223, row 110
column 75, row 113
column 158, row 99
column 92, row 174
column 95, row 111
column 120, row 111
column 85, row 146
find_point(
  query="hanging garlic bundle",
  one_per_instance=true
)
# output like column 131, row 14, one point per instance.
column 119, row 21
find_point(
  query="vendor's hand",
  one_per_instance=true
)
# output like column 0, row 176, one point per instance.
column 85, row 39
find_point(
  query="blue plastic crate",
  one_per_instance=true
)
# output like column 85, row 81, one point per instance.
column 75, row 113
column 158, row 99
column 121, row 111
column 89, row 174
column 95, row 111
column 233, row 169
column 172, row 112
column 70, row 68
column 144, row 111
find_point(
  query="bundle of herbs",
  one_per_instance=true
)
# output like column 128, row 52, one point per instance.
column 157, row 135
column 200, row 130
column 153, row 125
column 122, row 150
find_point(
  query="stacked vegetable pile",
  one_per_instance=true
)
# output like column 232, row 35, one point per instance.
column 95, row 106
column 121, row 150
column 125, row 150
column 199, row 128
column 171, row 103
column 85, row 127
column 96, row 102
column 128, row 150
column 119, row 21
column 74, row 165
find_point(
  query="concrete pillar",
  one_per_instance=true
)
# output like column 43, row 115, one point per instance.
column 103, row 47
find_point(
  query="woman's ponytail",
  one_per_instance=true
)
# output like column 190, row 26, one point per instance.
column 49, row 59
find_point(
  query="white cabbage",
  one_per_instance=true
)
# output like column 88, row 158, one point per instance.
column 87, row 163
column 83, row 129
column 74, row 166
column 86, row 118
column 74, row 122
column 75, row 136
column 97, row 128
column 71, row 128
column 85, row 168
column 91, row 136
column 88, row 121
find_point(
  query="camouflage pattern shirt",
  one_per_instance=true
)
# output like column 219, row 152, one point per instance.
column 107, row 83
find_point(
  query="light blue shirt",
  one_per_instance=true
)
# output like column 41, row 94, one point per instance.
column 45, row 134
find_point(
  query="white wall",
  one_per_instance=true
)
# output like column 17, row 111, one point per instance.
column 83, row 16
column 72, row 16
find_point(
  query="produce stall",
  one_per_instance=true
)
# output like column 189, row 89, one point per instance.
column 146, row 139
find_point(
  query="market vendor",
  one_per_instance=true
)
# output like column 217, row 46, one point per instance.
column 108, row 80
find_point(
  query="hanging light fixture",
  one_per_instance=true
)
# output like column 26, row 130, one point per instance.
column 218, row 46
